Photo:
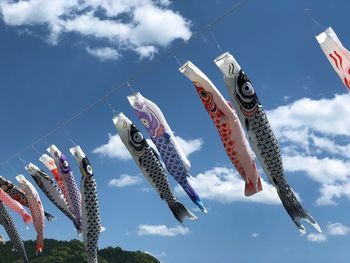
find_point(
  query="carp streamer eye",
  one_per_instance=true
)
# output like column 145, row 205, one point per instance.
column 89, row 169
column 247, row 89
column 204, row 94
column 65, row 164
column 145, row 122
column 138, row 137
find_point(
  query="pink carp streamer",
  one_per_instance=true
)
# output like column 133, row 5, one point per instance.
column 230, row 129
column 337, row 54
column 37, row 210
column 15, row 206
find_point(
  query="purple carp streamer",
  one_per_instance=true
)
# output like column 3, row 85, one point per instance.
column 18, row 195
column 148, row 162
column 37, row 210
column 11, row 230
column 337, row 54
column 91, row 221
column 161, row 134
column 51, row 190
column 66, row 174
column 262, row 138
column 229, row 127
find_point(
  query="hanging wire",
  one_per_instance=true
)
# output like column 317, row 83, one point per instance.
column 35, row 150
column 11, row 167
column 110, row 106
column 308, row 12
column 129, row 83
column 23, row 161
column 132, row 78
column 68, row 136
column 215, row 40
column 177, row 60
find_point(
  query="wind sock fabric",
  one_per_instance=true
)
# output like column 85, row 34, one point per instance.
column 149, row 164
column 37, row 210
column 18, row 195
column 51, row 166
column 229, row 127
column 336, row 53
column 11, row 230
column 91, row 221
column 51, row 190
column 161, row 134
column 66, row 174
column 263, row 140
column 15, row 206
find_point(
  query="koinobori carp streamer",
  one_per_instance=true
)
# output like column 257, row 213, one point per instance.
column 51, row 165
column 337, row 54
column 37, row 210
column 91, row 222
column 51, row 190
column 229, row 127
column 263, row 140
column 148, row 162
column 66, row 174
column 11, row 230
column 161, row 134
column 15, row 206
column 18, row 195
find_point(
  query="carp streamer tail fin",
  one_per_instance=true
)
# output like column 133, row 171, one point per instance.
column 49, row 217
column 193, row 195
column 251, row 188
column 296, row 211
column 180, row 211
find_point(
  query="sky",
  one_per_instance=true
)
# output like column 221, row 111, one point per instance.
column 58, row 57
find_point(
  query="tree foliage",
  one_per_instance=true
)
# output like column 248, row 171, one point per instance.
column 71, row 251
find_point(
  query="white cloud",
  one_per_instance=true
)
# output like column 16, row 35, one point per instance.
column 255, row 235
column 138, row 25
column 316, row 237
column 190, row 146
column 314, row 114
column 146, row 51
column 337, row 229
column 125, row 180
column 114, row 148
column 332, row 229
column 321, row 170
column 226, row 186
column 314, row 134
column 162, row 230
column 104, row 54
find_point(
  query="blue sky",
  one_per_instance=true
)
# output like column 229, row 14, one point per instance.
column 58, row 58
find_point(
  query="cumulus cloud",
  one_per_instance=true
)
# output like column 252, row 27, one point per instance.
column 115, row 148
column 162, row 230
column 316, row 237
column 314, row 114
column 337, row 229
column 139, row 25
column 191, row 145
column 332, row 229
column 125, row 180
column 226, row 186
column 255, row 235
column 315, row 135
column 104, row 54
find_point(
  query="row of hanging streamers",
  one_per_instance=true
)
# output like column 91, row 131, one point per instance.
column 106, row 98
